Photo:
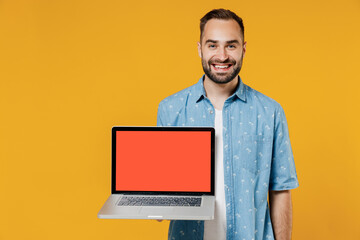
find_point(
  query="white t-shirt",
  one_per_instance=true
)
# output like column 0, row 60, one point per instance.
column 216, row 229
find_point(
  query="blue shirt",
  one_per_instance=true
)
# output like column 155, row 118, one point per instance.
column 257, row 156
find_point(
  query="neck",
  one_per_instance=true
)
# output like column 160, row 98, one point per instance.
column 218, row 93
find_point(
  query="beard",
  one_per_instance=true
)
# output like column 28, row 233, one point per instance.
column 221, row 77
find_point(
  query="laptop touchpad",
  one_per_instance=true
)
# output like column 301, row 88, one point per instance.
column 156, row 211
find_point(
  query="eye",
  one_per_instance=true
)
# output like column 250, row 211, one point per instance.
column 231, row 46
column 211, row 46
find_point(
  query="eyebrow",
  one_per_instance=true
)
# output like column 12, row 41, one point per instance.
column 228, row 42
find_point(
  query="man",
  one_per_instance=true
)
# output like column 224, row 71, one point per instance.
column 253, row 154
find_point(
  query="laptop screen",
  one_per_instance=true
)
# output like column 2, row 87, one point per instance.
column 160, row 159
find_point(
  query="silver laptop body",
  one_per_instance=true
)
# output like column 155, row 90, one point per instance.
column 158, row 173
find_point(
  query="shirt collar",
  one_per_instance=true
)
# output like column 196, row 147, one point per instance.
column 199, row 90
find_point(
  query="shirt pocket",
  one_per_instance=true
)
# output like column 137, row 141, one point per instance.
column 253, row 153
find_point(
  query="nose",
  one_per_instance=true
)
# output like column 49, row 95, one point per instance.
column 222, row 54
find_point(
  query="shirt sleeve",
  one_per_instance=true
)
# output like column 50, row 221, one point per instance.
column 160, row 116
column 283, row 173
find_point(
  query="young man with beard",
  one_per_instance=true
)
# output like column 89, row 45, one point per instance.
column 253, row 153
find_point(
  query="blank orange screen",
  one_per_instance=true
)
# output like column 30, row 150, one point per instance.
column 163, row 161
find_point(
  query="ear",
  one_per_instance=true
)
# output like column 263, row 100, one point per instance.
column 244, row 48
column 199, row 49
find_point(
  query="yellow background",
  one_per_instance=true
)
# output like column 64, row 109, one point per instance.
column 71, row 69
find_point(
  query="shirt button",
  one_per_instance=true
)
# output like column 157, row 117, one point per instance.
column 211, row 112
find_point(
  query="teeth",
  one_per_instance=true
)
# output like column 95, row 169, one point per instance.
column 221, row 66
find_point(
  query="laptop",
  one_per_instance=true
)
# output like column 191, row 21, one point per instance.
column 162, row 173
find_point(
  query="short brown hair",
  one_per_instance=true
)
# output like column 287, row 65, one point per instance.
column 220, row 14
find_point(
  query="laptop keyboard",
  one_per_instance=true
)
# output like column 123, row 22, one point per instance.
column 159, row 201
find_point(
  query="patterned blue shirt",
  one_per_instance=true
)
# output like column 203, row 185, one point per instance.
column 257, row 156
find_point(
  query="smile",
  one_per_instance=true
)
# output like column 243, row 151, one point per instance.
column 221, row 68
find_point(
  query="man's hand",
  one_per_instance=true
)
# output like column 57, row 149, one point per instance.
column 281, row 214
